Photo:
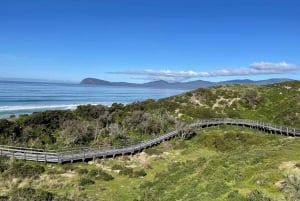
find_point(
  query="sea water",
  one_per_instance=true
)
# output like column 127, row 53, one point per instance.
column 19, row 97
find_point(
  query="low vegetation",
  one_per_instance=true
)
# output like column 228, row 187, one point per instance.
column 250, row 165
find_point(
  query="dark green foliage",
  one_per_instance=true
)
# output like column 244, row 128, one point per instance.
column 257, row 195
column 85, row 182
column 4, row 198
column 217, row 188
column 139, row 173
column 153, row 151
column 229, row 141
column 68, row 167
column 3, row 164
column 50, row 119
column 82, row 171
column 100, row 174
column 126, row 171
column 235, row 196
column 93, row 173
column 104, row 176
column 24, row 169
column 90, row 112
column 30, row 194
column 117, row 167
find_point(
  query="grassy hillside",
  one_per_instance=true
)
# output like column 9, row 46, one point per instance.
column 277, row 103
column 218, row 163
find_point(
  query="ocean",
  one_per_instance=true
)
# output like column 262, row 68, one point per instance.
column 18, row 97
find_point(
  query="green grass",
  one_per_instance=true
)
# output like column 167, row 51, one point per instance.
column 210, row 166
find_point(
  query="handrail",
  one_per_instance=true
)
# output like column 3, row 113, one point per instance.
column 85, row 153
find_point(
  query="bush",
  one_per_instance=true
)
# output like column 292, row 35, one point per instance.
column 3, row 163
column 139, row 173
column 235, row 196
column 93, row 173
column 100, row 174
column 85, row 182
column 82, row 171
column 29, row 194
column 257, row 195
column 153, row 151
column 117, row 167
column 21, row 169
column 68, row 167
column 104, row 176
column 126, row 171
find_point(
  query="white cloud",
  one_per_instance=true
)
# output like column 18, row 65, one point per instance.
column 258, row 68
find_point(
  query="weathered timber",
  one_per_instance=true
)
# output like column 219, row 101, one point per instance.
column 89, row 153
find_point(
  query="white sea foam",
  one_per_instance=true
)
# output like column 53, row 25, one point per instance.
column 20, row 108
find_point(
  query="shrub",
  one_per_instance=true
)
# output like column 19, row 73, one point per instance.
column 85, row 182
column 29, row 194
column 93, row 173
column 235, row 196
column 21, row 169
column 82, row 171
column 117, row 167
column 68, row 167
column 139, row 173
column 153, row 151
column 126, row 171
column 100, row 174
column 3, row 164
column 257, row 195
column 104, row 176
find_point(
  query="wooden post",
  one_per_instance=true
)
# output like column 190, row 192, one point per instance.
column 45, row 156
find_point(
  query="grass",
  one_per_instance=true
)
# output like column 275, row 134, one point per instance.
column 211, row 166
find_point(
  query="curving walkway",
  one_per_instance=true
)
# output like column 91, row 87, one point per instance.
column 83, row 154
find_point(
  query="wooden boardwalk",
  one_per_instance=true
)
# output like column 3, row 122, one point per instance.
column 89, row 153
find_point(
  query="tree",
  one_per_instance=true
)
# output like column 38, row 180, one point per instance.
column 77, row 132
column 184, row 130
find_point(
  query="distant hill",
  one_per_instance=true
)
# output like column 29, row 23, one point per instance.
column 180, row 85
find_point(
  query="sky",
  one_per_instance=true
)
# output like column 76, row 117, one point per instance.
column 147, row 40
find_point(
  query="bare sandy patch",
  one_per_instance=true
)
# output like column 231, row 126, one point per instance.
column 228, row 103
column 68, row 174
column 196, row 101
column 103, row 167
column 287, row 165
column 279, row 183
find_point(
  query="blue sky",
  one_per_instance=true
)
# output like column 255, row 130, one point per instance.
column 145, row 40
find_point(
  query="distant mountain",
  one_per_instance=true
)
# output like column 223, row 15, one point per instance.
column 180, row 85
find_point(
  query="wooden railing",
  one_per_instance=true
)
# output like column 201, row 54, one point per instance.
column 88, row 153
